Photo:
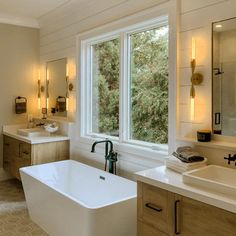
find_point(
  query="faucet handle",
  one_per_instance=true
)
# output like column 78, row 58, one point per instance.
column 230, row 158
column 112, row 156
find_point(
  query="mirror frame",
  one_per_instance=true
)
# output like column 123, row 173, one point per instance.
column 47, row 86
column 218, row 135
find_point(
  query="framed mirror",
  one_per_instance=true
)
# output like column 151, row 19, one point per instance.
column 224, row 77
column 56, row 87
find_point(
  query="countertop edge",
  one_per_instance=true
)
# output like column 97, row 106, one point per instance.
column 40, row 140
column 185, row 190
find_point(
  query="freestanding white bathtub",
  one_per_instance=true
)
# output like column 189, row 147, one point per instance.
column 68, row 198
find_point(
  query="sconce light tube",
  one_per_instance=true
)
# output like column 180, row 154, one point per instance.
column 193, row 49
column 196, row 79
column 39, row 91
column 39, row 103
column 67, row 70
column 67, row 90
column 67, row 104
column 47, row 89
column 192, row 108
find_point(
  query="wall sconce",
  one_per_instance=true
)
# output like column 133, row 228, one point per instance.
column 39, row 92
column 196, row 79
column 69, row 87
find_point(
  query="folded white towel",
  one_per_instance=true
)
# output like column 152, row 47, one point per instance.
column 174, row 160
column 179, row 166
column 182, row 170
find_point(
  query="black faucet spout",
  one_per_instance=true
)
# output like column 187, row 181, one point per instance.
column 106, row 141
column 110, row 155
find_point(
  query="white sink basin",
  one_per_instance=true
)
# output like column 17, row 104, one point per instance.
column 32, row 132
column 216, row 178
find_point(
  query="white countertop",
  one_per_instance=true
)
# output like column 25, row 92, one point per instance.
column 11, row 131
column 167, row 179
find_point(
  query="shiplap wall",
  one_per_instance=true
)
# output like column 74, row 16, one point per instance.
column 195, row 21
column 59, row 28
column 57, row 40
column 58, row 32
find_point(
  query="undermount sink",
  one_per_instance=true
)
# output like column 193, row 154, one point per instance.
column 32, row 132
column 212, row 177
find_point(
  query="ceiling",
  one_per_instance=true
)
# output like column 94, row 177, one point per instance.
column 29, row 8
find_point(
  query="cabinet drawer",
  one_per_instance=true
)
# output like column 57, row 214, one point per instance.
column 24, row 150
column 147, row 230
column 155, row 207
column 7, row 148
column 17, row 164
column 6, row 165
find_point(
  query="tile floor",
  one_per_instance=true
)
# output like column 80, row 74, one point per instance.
column 14, row 218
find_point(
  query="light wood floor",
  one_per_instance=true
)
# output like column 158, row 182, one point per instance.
column 14, row 217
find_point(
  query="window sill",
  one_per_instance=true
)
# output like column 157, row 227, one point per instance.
column 131, row 149
column 212, row 144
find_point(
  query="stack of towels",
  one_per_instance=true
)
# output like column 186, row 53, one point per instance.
column 185, row 159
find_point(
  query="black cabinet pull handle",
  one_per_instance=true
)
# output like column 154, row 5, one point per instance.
column 177, row 228
column 153, row 207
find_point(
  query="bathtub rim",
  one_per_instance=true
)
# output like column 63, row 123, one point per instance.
column 24, row 170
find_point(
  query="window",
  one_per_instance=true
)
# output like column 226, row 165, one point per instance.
column 149, row 85
column 124, row 85
column 105, row 87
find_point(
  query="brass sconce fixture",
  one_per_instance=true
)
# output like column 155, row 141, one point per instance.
column 196, row 79
column 40, row 90
column 39, row 94
column 69, row 88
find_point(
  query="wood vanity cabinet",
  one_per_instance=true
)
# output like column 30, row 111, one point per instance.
column 163, row 213
column 17, row 154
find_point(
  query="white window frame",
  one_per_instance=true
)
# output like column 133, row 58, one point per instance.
column 87, row 131
column 111, row 31
column 125, row 90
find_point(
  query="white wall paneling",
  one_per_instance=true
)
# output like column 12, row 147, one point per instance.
column 58, row 39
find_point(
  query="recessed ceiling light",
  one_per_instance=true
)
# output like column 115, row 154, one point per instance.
column 219, row 26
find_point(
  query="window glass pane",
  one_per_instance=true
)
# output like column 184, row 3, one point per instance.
column 105, row 88
column 149, row 85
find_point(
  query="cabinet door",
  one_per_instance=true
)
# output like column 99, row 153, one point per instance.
column 7, row 154
column 16, row 154
column 22, row 159
column 200, row 219
column 155, row 208
column 50, row 152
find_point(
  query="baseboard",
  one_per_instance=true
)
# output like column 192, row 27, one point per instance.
column 4, row 175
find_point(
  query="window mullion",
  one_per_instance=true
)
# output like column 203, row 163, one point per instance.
column 89, row 89
column 124, row 88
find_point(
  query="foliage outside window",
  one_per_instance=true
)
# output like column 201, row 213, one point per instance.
column 105, row 93
column 149, row 85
